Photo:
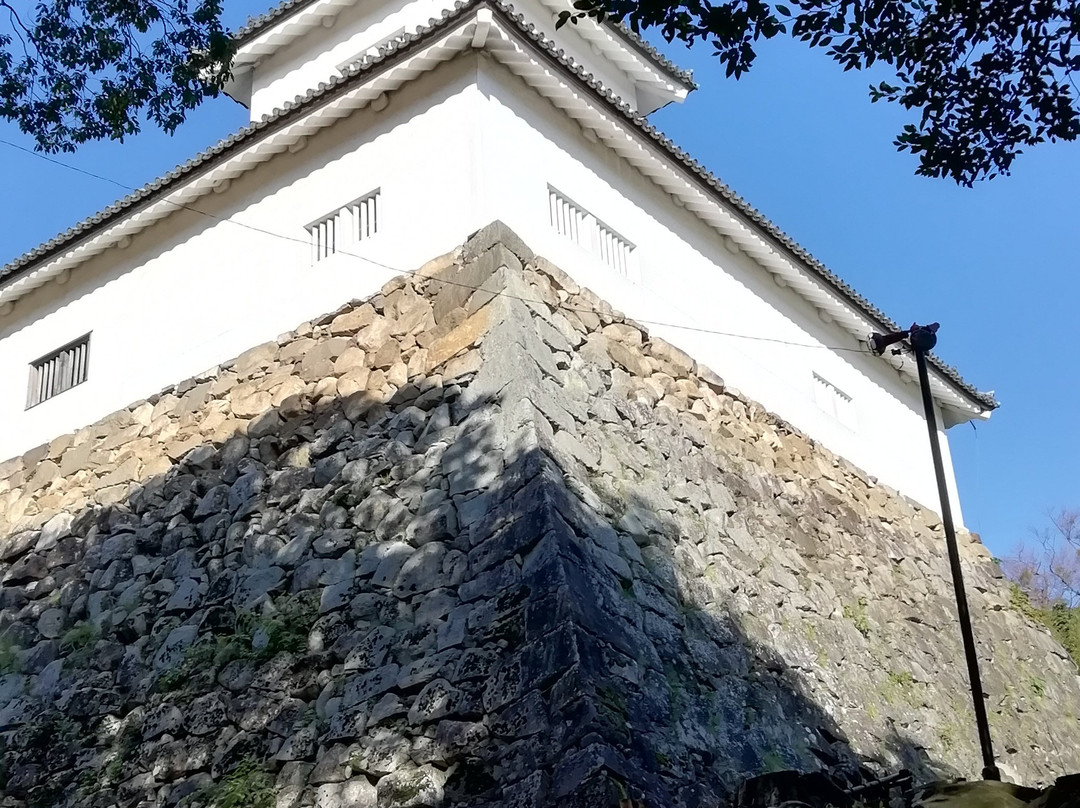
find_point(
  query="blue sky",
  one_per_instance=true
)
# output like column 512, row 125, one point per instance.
column 799, row 139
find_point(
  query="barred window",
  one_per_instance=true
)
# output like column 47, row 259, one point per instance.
column 363, row 217
column 352, row 224
column 835, row 402
column 59, row 371
column 572, row 221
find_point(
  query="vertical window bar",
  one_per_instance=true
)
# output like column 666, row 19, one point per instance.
column 349, row 225
column 30, row 388
column 57, row 372
column 588, row 232
column 346, row 229
column 63, row 371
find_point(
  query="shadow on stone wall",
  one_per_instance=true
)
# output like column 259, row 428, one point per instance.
column 410, row 610
column 435, row 597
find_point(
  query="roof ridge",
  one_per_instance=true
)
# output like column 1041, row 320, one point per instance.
column 257, row 23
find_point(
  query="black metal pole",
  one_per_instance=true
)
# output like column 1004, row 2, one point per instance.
column 923, row 340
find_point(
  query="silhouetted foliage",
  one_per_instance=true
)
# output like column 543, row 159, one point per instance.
column 1046, row 581
column 989, row 77
column 78, row 70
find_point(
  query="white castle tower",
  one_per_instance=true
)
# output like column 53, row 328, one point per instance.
column 383, row 134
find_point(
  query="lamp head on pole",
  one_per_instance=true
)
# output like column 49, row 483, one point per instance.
column 921, row 338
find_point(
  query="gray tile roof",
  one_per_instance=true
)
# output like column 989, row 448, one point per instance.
column 389, row 55
column 254, row 25
column 686, row 77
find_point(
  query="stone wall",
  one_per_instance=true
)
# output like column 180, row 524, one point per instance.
column 480, row 541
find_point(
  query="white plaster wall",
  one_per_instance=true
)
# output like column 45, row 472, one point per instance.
column 453, row 151
column 193, row 291
column 684, row 275
column 291, row 71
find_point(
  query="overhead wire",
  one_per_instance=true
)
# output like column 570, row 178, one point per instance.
column 499, row 293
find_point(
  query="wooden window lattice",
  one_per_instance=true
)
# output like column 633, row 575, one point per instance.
column 59, row 371
column 573, row 222
column 352, row 224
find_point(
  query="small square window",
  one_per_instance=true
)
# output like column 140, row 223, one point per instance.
column 59, row 371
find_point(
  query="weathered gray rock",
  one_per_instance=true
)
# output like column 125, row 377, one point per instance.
column 51, row 623
column 371, row 651
column 206, row 714
column 422, row 570
column 369, row 685
column 165, row 718
column 437, row 524
column 257, row 585
column 411, row 788
column 354, row 793
column 389, row 557
column 175, row 647
column 438, row 699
